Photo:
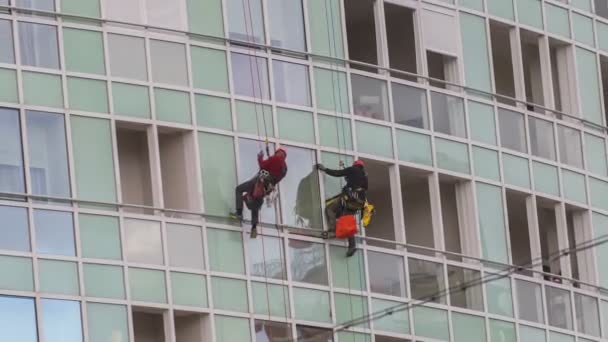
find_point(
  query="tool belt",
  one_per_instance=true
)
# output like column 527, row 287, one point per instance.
column 354, row 199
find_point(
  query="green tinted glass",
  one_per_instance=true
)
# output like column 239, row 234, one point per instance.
column 331, row 90
column 17, row 273
column 231, row 329
column 350, row 307
column 516, row 170
column 296, row 125
column 588, row 75
column 432, row 323
column 42, row 89
column 557, row 20
column 213, row 112
column 452, row 155
column 147, row 285
column 209, row 69
column 58, row 277
column 347, row 272
column 83, row 51
column 475, row 49
column 87, row 8
column 501, row 8
column 486, row 163
column 107, row 322
column 530, row 13
column 325, row 26
column 218, row 167
column 491, row 222
column 226, row 251
column 398, row 322
column 131, row 100
column 595, row 149
column 189, row 289
column 599, row 193
column 276, row 296
column 483, row 123
column 311, row 305
column 88, row 95
column 545, row 178
column 104, row 281
column 229, row 294
column 252, row 118
column 374, row 139
column 574, row 186
column 99, row 237
column 583, row 29
column 414, row 147
column 172, row 105
column 335, row 132
column 8, row 86
column 468, row 328
column 206, row 17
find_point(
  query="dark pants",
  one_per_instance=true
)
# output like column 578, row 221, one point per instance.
column 333, row 210
column 254, row 205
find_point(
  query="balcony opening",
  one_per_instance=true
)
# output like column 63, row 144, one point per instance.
column 178, row 170
column 548, row 232
column 361, row 33
column 533, row 75
column 415, row 191
column 502, row 59
column 604, row 74
column 379, row 194
column 401, row 40
column 456, row 213
column 562, row 71
column 272, row 331
column 134, row 157
column 149, row 325
column 192, row 326
column 442, row 68
column 519, row 231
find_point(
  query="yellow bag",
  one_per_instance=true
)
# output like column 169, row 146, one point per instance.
column 367, row 213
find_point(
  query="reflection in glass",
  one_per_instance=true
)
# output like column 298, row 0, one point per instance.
column 245, row 20
column 61, row 321
column 7, row 54
column 286, row 24
column 386, row 274
column 426, row 280
column 308, row 262
column 267, row 331
column 300, row 196
column 266, row 257
column 250, row 76
column 185, row 244
column 559, row 307
column 143, row 242
column 54, row 232
column 313, row 334
column 11, row 159
column 587, row 314
column 570, row 148
column 127, row 56
column 530, row 302
column 410, row 106
column 38, row 45
column 14, row 230
column 291, row 83
column 542, row 141
column 48, row 154
column 448, row 114
column 370, row 98
column 470, row 297
column 18, row 319
column 512, row 130
column 43, row 5
column 248, row 168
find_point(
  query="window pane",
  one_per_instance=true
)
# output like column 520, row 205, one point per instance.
column 512, row 130
column 8, row 85
column 530, row 301
column 230, row 329
column 121, row 10
column 43, row 5
column 267, row 331
column 470, row 297
column 189, row 289
column 308, row 262
column 286, row 24
column 164, row 14
column 596, row 147
column 127, row 57
column 229, row 294
column 131, row 100
column 250, row 75
column 542, row 141
column 291, row 83
column 185, row 244
column 350, row 307
column 370, row 97
column 305, row 333
column 502, row 331
column 14, row 230
column 7, row 54
column 475, row 52
column 529, row 334
column 500, row 299
column 42, row 89
column 48, row 154
column 147, row 285
column 143, row 241
column 448, row 114
column 452, row 155
column 482, row 121
column 386, row 274
column 168, row 62
column 267, row 257
column 491, row 222
column 426, row 279
column 17, row 273
column 296, row 125
column 226, row 251
column 331, row 90
column 11, row 158
column 486, row 163
column 89, row 8
column 397, row 322
column 218, row 167
column 38, row 45
column 107, row 322
column 347, row 272
column 245, row 20
column 589, row 75
column 587, row 314
column 104, row 281
column 570, row 149
column 468, row 328
column 300, row 197
column 59, row 277
column 374, row 139
column 172, row 105
column 84, row 51
column 18, row 319
column 433, row 323
column 209, row 69
column 205, row 16
column 88, row 95
column 559, row 307
column 277, row 296
column 61, row 320
column 54, row 232
column 410, row 106
column 311, row 305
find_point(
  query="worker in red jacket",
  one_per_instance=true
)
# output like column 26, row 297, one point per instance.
column 253, row 191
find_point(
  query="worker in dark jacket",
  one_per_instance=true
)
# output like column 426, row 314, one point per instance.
column 253, row 191
column 350, row 200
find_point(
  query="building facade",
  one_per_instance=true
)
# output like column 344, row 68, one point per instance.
column 125, row 126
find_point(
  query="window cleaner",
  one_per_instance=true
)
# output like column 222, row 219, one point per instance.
column 341, row 210
column 253, row 191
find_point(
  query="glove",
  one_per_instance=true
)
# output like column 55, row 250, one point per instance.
column 321, row 167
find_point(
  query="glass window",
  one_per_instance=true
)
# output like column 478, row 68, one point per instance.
column 131, row 100
column 296, row 125
column 61, row 320
column 84, row 51
column 267, row 331
column 605, row 316
column 448, row 114
column 529, row 12
column 8, row 84
column 88, row 95
column 48, row 154
column 43, row 5
column 374, row 139
column 11, row 159
column 172, row 105
column 331, row 90
column 516, row 170
column 246, row 21
column 14, row 230
column 59, row 277
column 121, row 10
column 7, row 54
column 147, row 285
column 542, row 140
column 559, row 308
column 386, row 274
column 482, row 121
column 104, row 281
column 311, row 305
column 475, row 52
column 185, row 244
column 570, row 148
column 164, row 14
column 276, row 296
column 501, row 331
column 557, row 20
column 397, row 322
column 324, row 16
column 300, row 197
column 226, row 251
column 218, row 169
column 209, row 69
column 452, row 155
column 54, row 232
column 529, row 301
column 107, row 322
column 17, row 273
column 501, row 8
column 213, row 112
column 38, row 44
column 127, row 57
column 350, row 307
column 205, row 16
column 230, row 329
column 426, row 279
column 410, row 106
column 286, row 24
column 250, row 75
column 589, row 75
column 347, row 272
column 305, row 333
column 430, row 322
column 291, row 83
column 491, row 222
column 499, row 296
column 267, row 257
column 512, row 130
column 189, row 289
column 335, row 132
column 229, row 294
column 18, row 319
column 468, row 296
column 143, row 241
column 529, row 334
column 414, row 147
column 308, row 262
column 486, row 163
column 596, row 147
column 168, row 62
column 468, row 328
column 89, row 8
column 587, row 314
column 42, row 89
column 370, row 97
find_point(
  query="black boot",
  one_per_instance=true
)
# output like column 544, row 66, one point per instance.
column 351, row 251
column 254, row 232
column 236, row 215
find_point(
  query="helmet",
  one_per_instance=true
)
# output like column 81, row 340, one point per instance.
column 358, row 162
column 280, row 149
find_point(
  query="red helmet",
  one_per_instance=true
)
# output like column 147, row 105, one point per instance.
column 358, row 162
column 280, row 149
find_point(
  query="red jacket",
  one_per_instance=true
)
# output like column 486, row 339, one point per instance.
column 275, row 165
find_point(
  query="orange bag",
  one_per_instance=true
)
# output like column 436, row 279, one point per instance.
column 346, row 226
